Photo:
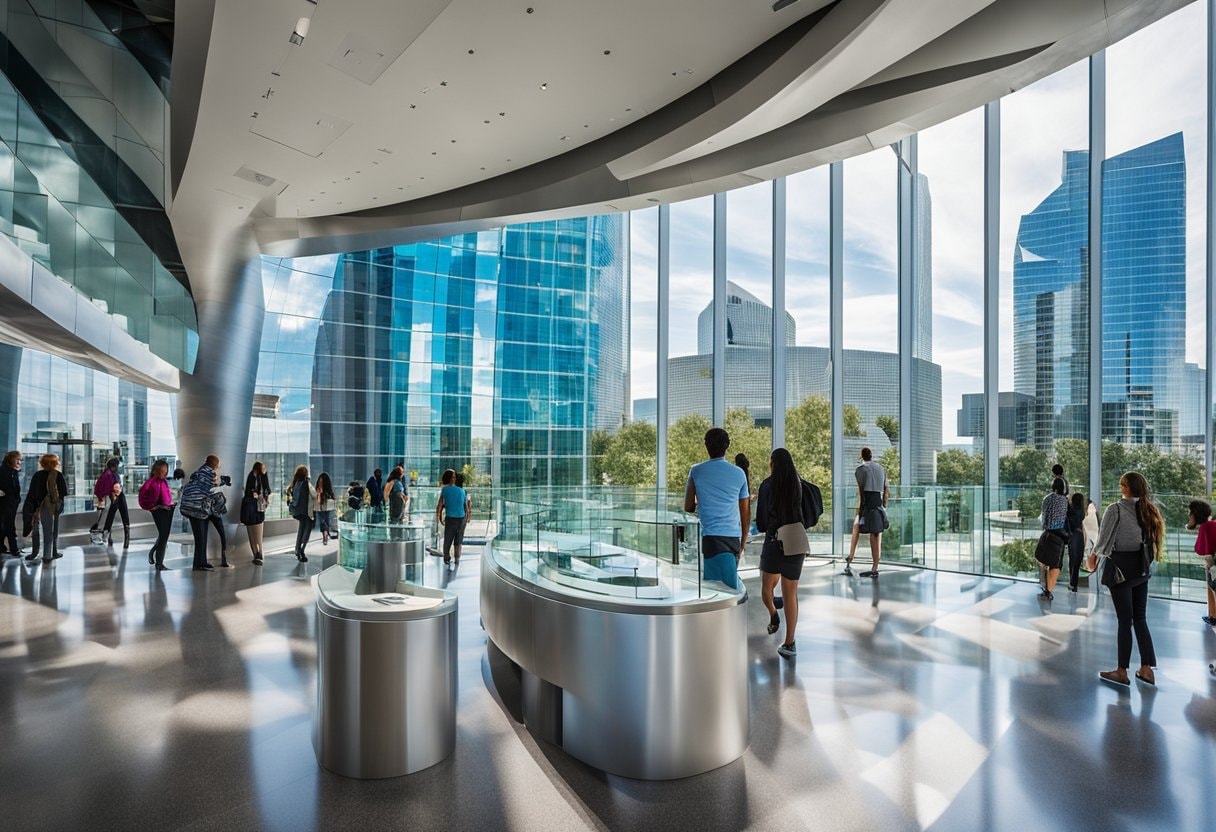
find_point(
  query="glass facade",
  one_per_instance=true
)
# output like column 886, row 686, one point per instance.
column 542, row 354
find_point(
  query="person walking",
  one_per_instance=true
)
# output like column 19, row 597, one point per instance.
column 303, row 508
column 44, row 503
column 327, row 509
column 717, row 492
column 196, row 505
column 1201, row 521
column 375, row 493
column 1054, row 519
column 1131, row 537
column 784, row 510
column 253, row 509
column 395, row 495
column 451, row 511
column 10, row 502
column 1077, row 544
column 872, row 494
column 109, row 486
column 156, row 498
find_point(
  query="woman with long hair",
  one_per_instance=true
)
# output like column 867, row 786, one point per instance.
column 1054, row 519
column 44, row 502
column 10, row 502
column 327, row 508
column 782, row 501
column 1132, row 535
column 303, row 507
column 253, row 509
column 395, row 494
column 195, row 503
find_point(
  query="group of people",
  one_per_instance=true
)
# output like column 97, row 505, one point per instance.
column 452, row 509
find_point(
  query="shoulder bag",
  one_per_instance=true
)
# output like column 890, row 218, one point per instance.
column 792, row 536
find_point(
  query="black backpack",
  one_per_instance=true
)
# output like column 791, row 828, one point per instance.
column 812, row 504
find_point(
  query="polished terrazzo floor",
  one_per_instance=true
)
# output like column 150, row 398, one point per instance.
column 926, row 700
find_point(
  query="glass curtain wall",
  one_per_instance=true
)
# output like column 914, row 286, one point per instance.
column 1044, row 316
column 808, row 373
column 1154, row 283
column 948, row 332
column 690, row 368
column 749, row 326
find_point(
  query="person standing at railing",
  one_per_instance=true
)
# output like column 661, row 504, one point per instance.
column 375, row 493
column 1076, row 538
column 872, row 494
column 1201, row 521
column 1054, row 519
column 717, row 492
column 10, row 502
column 468, row 505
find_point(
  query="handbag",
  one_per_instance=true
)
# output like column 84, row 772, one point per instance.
column 793, row 540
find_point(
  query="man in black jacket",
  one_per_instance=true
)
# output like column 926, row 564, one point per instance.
column 375, row 491
column 10, row 502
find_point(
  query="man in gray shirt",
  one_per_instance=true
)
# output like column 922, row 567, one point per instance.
column 871, row 511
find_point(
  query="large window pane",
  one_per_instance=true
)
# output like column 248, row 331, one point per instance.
column 1044, row 326
column 1154, row 324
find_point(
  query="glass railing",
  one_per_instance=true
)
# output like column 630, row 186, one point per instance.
column 602, row 543
column 359, row 527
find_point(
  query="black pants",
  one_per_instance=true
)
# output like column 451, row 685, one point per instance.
column 164, row 526
column 1076, row 553
column 218, row 522
column 1130, row 605
column 453, row 534
column 118, row 504
column 303, row 533
column 199, row 529
column 8, row 529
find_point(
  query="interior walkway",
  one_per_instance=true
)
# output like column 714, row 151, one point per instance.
column 926, row 700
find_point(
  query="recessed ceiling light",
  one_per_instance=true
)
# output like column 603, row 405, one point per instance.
column 607, row 51
column 651, row 199
column 347, row 179
column 471, row 51
column 483, row 168
column 312, row 200
column 434, row 152
column 400, row 188
column 413, row 106
column 358, row 171
column 322, row 193
column 502, row 114
column 563, row 138
column 453, row 141
column 339, row 202
column 375, row 197
column 443, row 83
column 544, row 85
column 529, row 10
column 487, row 121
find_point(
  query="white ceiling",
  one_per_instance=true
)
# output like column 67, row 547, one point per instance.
column 433, row 120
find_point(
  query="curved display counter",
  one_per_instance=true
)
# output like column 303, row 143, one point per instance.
column 630, row 662
column 386, row 676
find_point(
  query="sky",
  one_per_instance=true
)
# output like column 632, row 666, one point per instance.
column 1155, row 87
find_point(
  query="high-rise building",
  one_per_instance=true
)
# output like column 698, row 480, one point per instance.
column 922, row 272
column 500, row 349
column 1143, row 299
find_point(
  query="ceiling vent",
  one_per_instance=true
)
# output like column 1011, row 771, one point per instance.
column 251, row 175
column 362, row 58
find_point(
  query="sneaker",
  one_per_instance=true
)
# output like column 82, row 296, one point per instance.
column 788, row 650
column 1045, row 595
column 870, row 573
column 1209, row 620
column 1072, row 588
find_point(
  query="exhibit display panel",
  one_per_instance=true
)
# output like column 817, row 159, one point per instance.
column 630, row 660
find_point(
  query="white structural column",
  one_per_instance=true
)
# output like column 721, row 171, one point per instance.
column 719, row 357
column 840, row 478
column 778, row 331
column 1210, row 260
column 1097, row 154
column 664, row 342
column 992, row 317
column 905, row 174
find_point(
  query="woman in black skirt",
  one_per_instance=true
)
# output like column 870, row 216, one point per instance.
column 253, row 508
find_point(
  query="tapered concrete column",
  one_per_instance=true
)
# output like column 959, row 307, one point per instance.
column 216, row 400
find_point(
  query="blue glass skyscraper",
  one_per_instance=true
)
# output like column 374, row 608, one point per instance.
column 501, row 350
column 1143, row 293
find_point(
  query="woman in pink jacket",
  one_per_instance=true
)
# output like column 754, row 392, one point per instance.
column 156, row 498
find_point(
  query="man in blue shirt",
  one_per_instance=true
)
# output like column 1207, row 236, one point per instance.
column 717, row 492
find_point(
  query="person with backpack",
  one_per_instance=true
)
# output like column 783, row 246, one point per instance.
column 253, row 508
column 303, row 499
column 156, row 498
column 44, row 502
column 375, row 494
column 109, row 487
column 786, row 506
column 197, row 505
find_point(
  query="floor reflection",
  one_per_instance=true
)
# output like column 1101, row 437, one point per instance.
column 919, row 700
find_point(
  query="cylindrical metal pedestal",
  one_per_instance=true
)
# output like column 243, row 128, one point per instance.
column 386, row 679
column 390, row 561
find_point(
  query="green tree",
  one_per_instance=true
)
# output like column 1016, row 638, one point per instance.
column 1025, row 466
column 599, row 444
column 473, row 477
column 957, row 467
column 685, row 448
column 1073, row 454
column 889, row 460
column 890, row 426
column 630, row 457
column 748, row 438
column 808, row 437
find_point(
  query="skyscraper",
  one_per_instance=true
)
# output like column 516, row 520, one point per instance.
column 501, row 349
column 922, row 272
column 1143, row 297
